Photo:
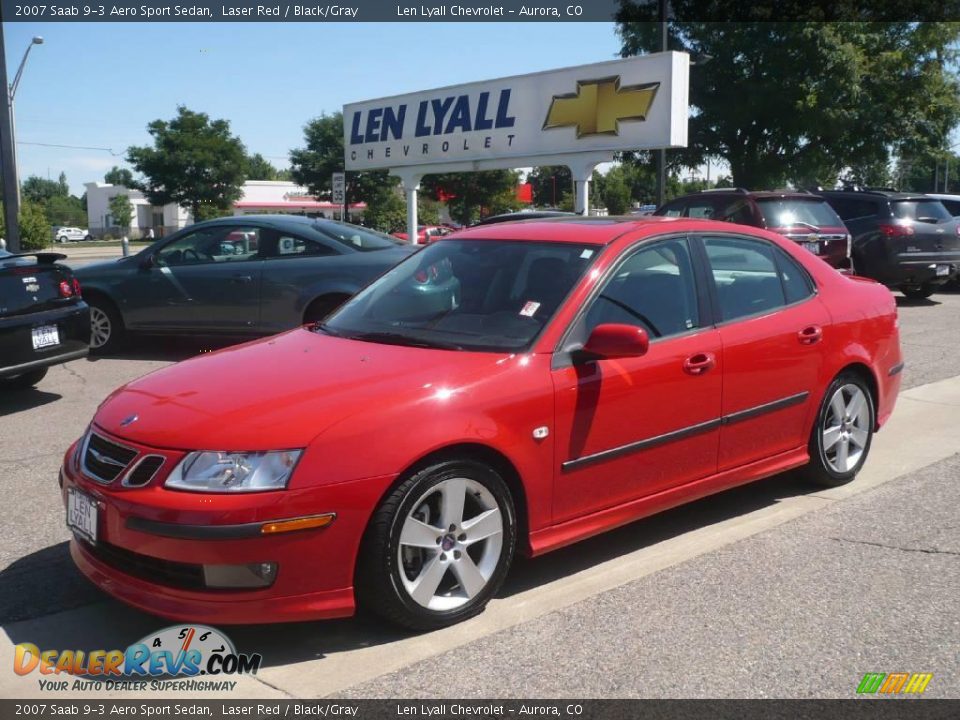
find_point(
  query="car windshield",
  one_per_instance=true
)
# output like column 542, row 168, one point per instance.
column 928, row 211
column 784, row 212
column 353, row 236
column 488, row 295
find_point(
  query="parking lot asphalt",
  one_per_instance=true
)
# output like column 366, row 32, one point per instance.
column 718, row 598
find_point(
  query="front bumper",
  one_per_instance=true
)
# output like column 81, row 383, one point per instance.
column 138, row 562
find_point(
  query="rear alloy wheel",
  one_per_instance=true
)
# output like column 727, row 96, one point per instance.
column 24, row 380
column 918, row 292
column 106, row 327
column 843, row 432
column 439, row 546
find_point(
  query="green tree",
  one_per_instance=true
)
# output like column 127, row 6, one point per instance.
column 552, row 185
column 466, row 194
column 121, row 210
column 65, row 211
column 119, row 176
column 194, row 162
column 39, row 190
column 35, row 231
column 314, row 164
column 616, row 193
column 801, row 101
column 259, row 168
column 386, row 211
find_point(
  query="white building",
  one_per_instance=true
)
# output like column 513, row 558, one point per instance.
column 259, row 196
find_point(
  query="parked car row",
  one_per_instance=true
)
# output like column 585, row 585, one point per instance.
column 907, row 241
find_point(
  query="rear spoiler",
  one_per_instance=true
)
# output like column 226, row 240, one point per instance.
column 43, row 258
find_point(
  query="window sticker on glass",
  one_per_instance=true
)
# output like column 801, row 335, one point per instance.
column 586, row 254
column 529, row 308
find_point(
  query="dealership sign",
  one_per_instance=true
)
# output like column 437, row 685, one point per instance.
column 631, row 104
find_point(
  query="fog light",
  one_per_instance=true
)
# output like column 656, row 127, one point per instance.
column 252, row 575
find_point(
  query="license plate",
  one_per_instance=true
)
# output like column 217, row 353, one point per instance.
column 943, row 270
column 82, row 514
column 812, row 247
column 45, row 336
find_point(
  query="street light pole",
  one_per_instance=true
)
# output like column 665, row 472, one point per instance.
column 8, row 145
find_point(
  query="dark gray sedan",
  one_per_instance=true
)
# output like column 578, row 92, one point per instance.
column 236, row 276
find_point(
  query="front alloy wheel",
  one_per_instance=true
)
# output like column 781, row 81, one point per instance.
column 106, row 326
column 841, row 437
column 439, row 546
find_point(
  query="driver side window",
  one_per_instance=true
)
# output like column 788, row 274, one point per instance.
column 224, row 243
column 653, row 289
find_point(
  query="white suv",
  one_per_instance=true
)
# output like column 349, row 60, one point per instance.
column 72, row 234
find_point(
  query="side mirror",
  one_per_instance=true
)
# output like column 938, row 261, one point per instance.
column 148, row 262
column 614, row 340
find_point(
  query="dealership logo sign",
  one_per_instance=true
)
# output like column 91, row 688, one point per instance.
column 592, row 110
column 599, row 106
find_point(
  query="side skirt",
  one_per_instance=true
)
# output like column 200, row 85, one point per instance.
column 566, row 533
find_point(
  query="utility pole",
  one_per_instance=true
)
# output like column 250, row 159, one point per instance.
column 662, row 153
column 8, row 156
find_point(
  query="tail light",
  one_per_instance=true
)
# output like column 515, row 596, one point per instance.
column 76, row 287
column 895, row 230
column 66, row 289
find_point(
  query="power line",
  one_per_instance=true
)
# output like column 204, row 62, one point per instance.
column 70, row 147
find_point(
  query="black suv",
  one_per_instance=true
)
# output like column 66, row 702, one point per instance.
column 907, row 241
column 799, row 215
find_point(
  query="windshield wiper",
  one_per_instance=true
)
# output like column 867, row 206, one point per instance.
column 392, row 338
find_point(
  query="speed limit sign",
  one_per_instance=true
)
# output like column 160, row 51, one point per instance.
column 339, row 185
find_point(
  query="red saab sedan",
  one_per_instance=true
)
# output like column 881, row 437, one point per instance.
column 514, row 388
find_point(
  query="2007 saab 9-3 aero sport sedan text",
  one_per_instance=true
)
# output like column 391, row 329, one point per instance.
column 514, row 387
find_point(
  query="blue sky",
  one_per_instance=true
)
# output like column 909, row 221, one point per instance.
column 99, row 84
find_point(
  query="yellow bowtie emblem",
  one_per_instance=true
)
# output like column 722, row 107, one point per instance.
column 598, row 106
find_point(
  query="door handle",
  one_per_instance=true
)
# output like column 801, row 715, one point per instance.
column 700, row 363
column 810, row 335
column 242, row 278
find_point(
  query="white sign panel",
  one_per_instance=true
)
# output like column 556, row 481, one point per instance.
column 339, row 184
column 631, row 104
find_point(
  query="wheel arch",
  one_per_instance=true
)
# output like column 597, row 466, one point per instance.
column 483, row 454
column 866, row 373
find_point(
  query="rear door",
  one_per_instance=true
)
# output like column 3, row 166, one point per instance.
column 774, row 329
column 207, row 280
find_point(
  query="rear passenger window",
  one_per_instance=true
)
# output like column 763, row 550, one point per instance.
column 746, row 276
column 853, row 208
column 796, row 283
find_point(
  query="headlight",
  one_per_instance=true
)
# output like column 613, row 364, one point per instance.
column 234, row 472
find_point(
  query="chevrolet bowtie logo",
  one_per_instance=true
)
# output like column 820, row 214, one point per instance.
column 598, row 106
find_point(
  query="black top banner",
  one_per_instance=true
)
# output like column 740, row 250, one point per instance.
column 479, row 11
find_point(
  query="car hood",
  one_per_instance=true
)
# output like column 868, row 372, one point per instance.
column 92, row 268
column 282, row 391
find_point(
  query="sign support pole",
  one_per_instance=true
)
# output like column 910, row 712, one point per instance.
column 582, row 171
column 411, row 184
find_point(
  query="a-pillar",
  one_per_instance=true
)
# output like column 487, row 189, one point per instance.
column 410, row 181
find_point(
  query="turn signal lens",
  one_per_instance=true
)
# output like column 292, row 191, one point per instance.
column 304, row 523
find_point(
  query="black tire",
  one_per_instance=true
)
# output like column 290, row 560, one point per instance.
column 105, row 314
column 321, row 307
column 918, row 292
column 380, row 587
column 62, row 239
column 24, row 380
column 822, row 469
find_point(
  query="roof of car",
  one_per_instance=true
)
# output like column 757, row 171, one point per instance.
column 575, row 229
column 877, row 192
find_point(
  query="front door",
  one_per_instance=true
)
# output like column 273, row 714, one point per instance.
column 207, row 280
column 634, row 427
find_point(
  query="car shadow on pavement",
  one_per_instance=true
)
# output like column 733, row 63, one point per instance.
column 37, row 587
column 14, row 401
column 915, row 302
column 167, row 349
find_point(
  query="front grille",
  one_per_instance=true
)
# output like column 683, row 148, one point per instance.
column 104, row 460
column 160, row 572
column 143, row 471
